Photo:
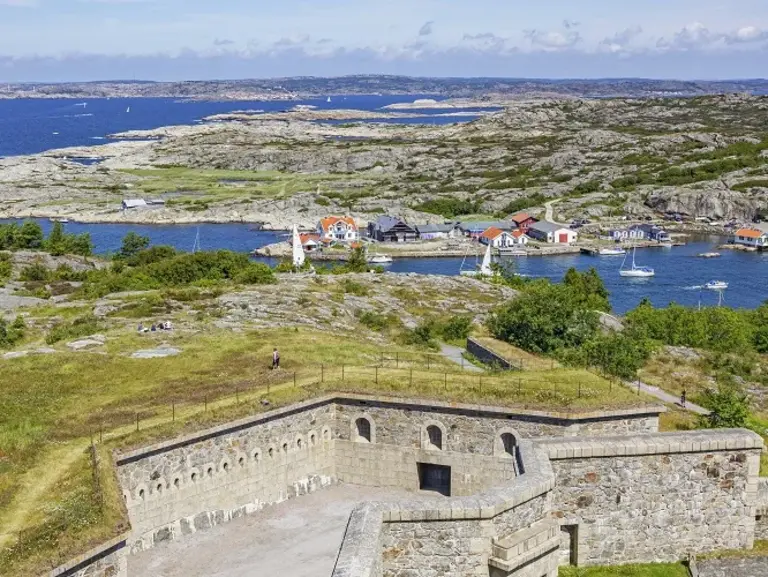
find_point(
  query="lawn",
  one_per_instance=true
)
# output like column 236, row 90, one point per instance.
column 52, row 405
column 651, row 570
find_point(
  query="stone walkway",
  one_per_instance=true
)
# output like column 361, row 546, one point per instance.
column 456, row 354
column 747, row 567
column 668, row 398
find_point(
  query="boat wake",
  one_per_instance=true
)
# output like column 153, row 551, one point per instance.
column 693, row 288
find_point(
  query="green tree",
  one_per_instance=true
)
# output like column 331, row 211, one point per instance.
column 56, row 244
column 357, row 261
column 618, row 354
column 133, row 244
column 588, row 289
column 30, row 236
column 729, row 408
column 79, row 244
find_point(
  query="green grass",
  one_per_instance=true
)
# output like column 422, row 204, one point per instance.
column 198, row 187
column 651, row 570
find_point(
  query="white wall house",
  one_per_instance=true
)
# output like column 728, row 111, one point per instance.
column 751, row 237
column 338, row 229
column 520, row 238
column 552, row 233
column 497, row 238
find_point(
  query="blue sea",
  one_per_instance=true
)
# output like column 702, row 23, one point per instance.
column 30, row 126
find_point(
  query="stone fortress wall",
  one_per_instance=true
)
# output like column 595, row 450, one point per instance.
column 528, row 490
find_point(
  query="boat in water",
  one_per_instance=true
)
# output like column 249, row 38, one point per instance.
column 380, row 259
column 607, row 251
column 716, row 285
column 298, row 249
column 484, row 269
column 635, row 271
column 709, row 255
column 61, row 220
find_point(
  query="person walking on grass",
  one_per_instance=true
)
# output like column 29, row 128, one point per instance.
column 275, row 359
column 682, row 399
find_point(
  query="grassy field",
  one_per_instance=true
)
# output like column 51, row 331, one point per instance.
column 523, row 359
column 52, row 405
column 199, row 186
column 651, row 570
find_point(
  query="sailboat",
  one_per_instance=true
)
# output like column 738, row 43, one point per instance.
column 196, row 246
column 636, row 271
column 128, row 109
column 298, row 249
column 485, row 268
column 329, row 100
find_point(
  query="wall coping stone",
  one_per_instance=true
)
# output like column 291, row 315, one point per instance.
column 98, row 552
column 129, row 456
column 650, row 444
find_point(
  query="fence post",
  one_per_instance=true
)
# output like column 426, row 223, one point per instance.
column 322, row 373
column 411, row 376
column 579, row 389
column 397, row 360
column 428, row 361
column 377, row 375
column 294, row 379
column 137, row 421
column 638, row 388
column 173, row 411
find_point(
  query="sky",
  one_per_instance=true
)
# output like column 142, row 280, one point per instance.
column 74, row 40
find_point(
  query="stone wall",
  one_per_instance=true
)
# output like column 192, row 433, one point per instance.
column 761, row 515
column 193, row 483
column 656, row 497
column 487, row 356
column 107, row 560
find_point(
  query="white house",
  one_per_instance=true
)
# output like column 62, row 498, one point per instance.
column 519, row 238
column 497, row 238
column 751, row 237
column 552, row 233
column 338, row 229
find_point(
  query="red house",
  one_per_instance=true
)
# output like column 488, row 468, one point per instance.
column 523, row 220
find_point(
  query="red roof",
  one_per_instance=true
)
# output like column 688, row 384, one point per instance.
column 521, row 217
column 749, row 233
column 330, row 221
column 492, row 233
column 518, row 233
column 306, row 237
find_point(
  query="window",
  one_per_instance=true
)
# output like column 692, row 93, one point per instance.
column 435, row 436
column 509, row 443
column 363, row 429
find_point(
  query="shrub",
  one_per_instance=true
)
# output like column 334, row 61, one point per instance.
column 449, row 206
column 255, row 273
column 80, row 327
column 355, row 288
column 35, row 272
column 729, row 408
column 421, row 336
column 376, row 321
column 11, row 334
column 456, row 328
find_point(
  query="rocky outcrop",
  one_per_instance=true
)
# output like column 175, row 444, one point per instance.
column 713, row 202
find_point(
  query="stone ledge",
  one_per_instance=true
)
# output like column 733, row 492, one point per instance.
column 550, row 546
column 105, row 549
column 650, row 444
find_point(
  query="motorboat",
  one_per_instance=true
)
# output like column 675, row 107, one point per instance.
column 607, row 251
column 380, row 259
column 716, row 285
column 635, row 271
column 709, row 255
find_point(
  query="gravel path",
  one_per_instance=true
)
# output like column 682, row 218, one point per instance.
column 455, row 354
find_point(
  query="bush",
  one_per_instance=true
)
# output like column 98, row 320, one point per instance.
column 6, row 267
column 730, row 408
column 524, row 203
column 355, row 288
column 255, row 273
column 456, row 328
column 421, row 336
column 10, row 335
column 35, row 272
column 449, row 206
column 378, row 322
column 588, row 289
column 80, row 327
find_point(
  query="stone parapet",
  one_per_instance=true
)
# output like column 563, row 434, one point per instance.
column 105, row 560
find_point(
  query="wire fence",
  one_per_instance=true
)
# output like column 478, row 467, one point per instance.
column 401, row 374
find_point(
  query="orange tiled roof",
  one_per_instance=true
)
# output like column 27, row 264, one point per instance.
column 518, row 233
column 329, row 221
column 749, row 233
column 491, row 233
column 306, row 237
column 520, row 217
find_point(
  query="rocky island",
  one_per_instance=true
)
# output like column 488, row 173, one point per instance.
column 605, row 159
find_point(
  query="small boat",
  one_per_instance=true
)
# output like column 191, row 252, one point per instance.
column 716, row 285
column 635, row 271
column 485, row 268
column 61, row 220
column 83, row 104
column 128, row 109
column 380, row 259
column 607, row 251
column 329, row 99
column 709, row 255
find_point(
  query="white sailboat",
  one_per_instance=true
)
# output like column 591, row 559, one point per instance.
column 716, row 285
column 128, row 109
column 636, row 271
column 485, row 268
column 329, row 100
column 298, row 250
column 196, row 246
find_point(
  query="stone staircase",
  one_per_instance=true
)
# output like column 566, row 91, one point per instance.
column 512, row 555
